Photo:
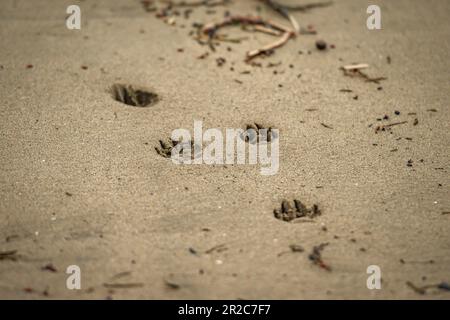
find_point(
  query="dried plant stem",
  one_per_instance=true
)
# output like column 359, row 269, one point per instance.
column 280, row 42
column 284, row 10
column 211, row 29
column 199, row 3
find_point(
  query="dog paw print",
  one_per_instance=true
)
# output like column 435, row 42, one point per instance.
column 290, row 211
column 183, row 148
column 133, row 96
column 255, row 133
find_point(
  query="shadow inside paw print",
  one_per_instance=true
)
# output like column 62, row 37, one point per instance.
column 184, row 148
column 133, row 96
column 255, row 133
column 299, row 210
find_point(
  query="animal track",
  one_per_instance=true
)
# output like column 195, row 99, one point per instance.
column 299, row 210
column 256, row 132
column 165, row 148
column 133, row 96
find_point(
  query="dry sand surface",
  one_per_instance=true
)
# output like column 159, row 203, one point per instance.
column 81, row 183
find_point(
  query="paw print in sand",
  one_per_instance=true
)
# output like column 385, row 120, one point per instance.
column 298, row 210
column 133, row 96
column 256, row 132
column 185, row 150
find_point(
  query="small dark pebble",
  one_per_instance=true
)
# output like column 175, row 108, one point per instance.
column 321, row 45
column 220, row 61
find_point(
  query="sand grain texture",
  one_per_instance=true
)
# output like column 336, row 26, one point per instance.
column 81, row 183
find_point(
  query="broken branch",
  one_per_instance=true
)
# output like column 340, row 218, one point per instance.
column 211, row 29
column 355, row 71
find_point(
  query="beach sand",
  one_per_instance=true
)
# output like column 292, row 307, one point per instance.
column 81, row 183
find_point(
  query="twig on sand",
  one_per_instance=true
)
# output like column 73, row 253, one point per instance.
column 387, row 126
column 316, row 256
column 284, row 10
column 326, row 126
column 218, row 248
column 270, row 47
column 394, row 124
column 199, row 3
column 301, row 7
column 123, row 285
column 211, row 30
column 265, row 30
column 444, row 286
column 355, row 71
column 355, row 66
